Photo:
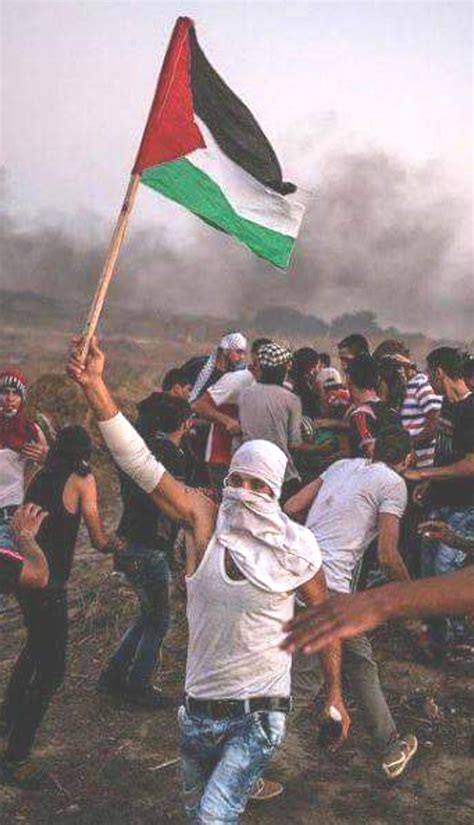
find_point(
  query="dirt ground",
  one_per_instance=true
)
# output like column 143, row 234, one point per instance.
column 116, row 766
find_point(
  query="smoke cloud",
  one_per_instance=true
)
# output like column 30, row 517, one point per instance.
column 379, row 235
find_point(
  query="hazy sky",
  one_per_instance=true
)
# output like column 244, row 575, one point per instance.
column 78, row 79
column 79, row 76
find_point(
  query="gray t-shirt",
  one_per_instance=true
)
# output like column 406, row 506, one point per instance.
column 273, row 413
column 344, row 515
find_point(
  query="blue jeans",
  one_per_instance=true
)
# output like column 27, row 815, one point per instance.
column 135, row 660
column 6, row 541
column 438, row 558
column 6, row 538
column 222, row 760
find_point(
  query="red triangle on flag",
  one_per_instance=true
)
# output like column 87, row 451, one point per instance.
column 170, row 131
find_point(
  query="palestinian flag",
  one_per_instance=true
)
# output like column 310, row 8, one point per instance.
column 203, row 148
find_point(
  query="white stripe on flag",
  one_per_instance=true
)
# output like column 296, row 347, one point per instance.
column 248, row 197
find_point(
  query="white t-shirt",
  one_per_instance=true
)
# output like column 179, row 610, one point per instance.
column 344, row 515
column 228, row 388
column 226, row 391
column 12, row 477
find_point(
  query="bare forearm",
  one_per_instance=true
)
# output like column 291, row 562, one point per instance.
column 331, row 667
column 36, row 567
column 332, row 424
column 100, row 400
column 302, row 501
column 438, row 596
column 206, row 409
column 315, row 593
column 97, row 535
column 461, row 469
column 394, row 568
column 322, row 449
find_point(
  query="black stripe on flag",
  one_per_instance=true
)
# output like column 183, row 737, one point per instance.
column 232, row 124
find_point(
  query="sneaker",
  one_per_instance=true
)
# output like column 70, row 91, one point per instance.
column 149, row 698
column 266, row 789
column 24, row 774
column 399, row 755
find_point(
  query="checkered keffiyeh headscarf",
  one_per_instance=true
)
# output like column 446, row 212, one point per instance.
column 273, row 355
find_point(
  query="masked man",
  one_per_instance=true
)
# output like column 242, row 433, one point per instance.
column 245, row 561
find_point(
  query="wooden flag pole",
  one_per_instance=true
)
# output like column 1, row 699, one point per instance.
column 109, row 265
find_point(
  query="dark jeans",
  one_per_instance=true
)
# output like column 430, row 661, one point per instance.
column 437, row 559
column 38, row 671
column 135, row 660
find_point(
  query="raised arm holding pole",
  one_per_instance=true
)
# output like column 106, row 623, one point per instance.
column 151, row 151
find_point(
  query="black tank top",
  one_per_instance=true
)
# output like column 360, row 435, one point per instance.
column 58, row 533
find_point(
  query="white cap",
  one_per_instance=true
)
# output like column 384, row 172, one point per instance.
column 328, row 376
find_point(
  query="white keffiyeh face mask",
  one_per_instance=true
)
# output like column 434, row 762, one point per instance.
column 272, row 551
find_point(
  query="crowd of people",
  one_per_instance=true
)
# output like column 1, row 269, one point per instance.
column 301, row 503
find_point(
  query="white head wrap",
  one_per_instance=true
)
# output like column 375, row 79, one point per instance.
column 233, row 340
column 272, row 551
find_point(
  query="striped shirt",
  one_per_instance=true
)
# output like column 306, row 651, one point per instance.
column 419, row 400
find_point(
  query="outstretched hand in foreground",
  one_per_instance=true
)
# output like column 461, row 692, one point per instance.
column 339, row 617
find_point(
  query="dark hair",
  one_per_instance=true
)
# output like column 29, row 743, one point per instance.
column 449, row 359
column 325, row 359
column 357, row 344
column 304, row 359
column 173, row 377
column 162, row 412
column 392, row 445
column 392, row 374
column 363, row 372
column 71, row 451
column 391, row 347
column 273, row 375
column 259, row 342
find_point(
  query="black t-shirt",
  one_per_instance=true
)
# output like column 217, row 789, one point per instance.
column 142, row 522
column 57, row 535
column 455, row 439
column 11, row 565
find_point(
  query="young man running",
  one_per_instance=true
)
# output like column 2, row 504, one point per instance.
column 245, row 560
column 150, row 536
column 353, row 502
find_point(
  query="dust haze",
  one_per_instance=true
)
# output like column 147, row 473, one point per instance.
column 379, row 235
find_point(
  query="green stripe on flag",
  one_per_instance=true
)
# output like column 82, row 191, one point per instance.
column 182, row 182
